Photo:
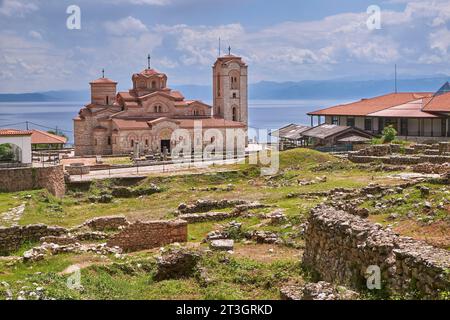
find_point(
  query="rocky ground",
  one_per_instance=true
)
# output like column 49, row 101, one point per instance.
column 245, row 233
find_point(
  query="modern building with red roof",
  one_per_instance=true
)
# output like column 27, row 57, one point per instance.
column 146, row 116
column 45, row 140
column 419, row 115
column 20, row 143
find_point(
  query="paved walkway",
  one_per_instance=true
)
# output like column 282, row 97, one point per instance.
column 136, row 172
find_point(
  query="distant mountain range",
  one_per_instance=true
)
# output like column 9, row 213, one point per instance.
column 266, row 90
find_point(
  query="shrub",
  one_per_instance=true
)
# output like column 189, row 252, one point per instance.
column 389, row 134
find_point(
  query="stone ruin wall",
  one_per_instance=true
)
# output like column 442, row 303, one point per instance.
column 128, row 236
column 21, row 179
column 148, row 235
column 396, row 155
column 340, row 247
column 12, row 238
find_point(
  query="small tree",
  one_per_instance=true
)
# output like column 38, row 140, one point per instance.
column 6, row 152
column 389, row 134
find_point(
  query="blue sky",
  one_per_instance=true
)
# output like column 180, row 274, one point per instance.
column 284, row 40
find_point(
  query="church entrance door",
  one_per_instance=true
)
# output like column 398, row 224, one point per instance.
column 165, row 144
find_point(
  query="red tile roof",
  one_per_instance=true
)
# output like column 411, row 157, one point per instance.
column 411, row 109
column 211, row 123
column 15, row 132
column 440, row 103
column 365, row 107
column 42, row 137
column 151, row 72
column 129, row 124
column 126, row 124
column 103, row 81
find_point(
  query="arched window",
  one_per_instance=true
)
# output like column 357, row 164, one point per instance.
column 107, row 100
column 153, row 84
column 235, row 115
column 156, row 109
column 132, row 143
column 234, row 80
column 218, row 85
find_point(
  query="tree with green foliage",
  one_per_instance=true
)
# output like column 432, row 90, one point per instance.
column 389, row 134
column 6, row 152
column 59, row 133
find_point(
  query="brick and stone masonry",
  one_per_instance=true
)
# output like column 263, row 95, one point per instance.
column 148, row 235
column 340, row 247
column 21, row 179
column 12, row 238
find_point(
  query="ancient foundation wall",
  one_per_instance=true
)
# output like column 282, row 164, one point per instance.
column 148, row 235
column 340, row 247
column 12, row 238
column 400, row 160
column 21, row 179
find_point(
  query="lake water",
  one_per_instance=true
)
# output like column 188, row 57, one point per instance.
column 263, row 114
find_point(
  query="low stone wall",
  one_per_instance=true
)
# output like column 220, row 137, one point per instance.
column 12, row 238
column 204, row 217
column 148, row 235
column 78, row 169
column 400, row 160
column 397, row 155
column 340, row 247
column 429, row 168
column 20, row 179
column 200, row 206
column 107, row 223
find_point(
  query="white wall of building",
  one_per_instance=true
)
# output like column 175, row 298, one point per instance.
column 23, row 142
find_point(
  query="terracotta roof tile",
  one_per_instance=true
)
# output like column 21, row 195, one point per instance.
column 42, row 137
column 367, row 106
column 15, row 132
column 126, row 124
column 151, row 72
column 211, row 123
column 129, row 124
column 440, row 103
column 103, row 81
column 411, row 109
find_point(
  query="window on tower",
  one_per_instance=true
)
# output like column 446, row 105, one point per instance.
column 235, row 116
column 218, row 85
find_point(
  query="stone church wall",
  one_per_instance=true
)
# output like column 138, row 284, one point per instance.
column 21, row 179
column 340, row 247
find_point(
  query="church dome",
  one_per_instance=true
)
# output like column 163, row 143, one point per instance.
column 151, row 72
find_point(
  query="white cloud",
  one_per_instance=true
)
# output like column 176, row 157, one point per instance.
column 35, row 35
column 417, row 38
column 125, row 26
column 17, row 8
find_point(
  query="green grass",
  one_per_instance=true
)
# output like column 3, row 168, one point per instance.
column 298, row 164
column 118, row 161
column 232, row 278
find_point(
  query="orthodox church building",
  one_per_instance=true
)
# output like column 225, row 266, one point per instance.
column 145, row 117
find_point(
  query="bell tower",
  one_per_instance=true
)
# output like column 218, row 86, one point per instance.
column 103, row 91
column 230, row 86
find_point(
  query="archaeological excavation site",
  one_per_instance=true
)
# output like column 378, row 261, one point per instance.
column 373, row 225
